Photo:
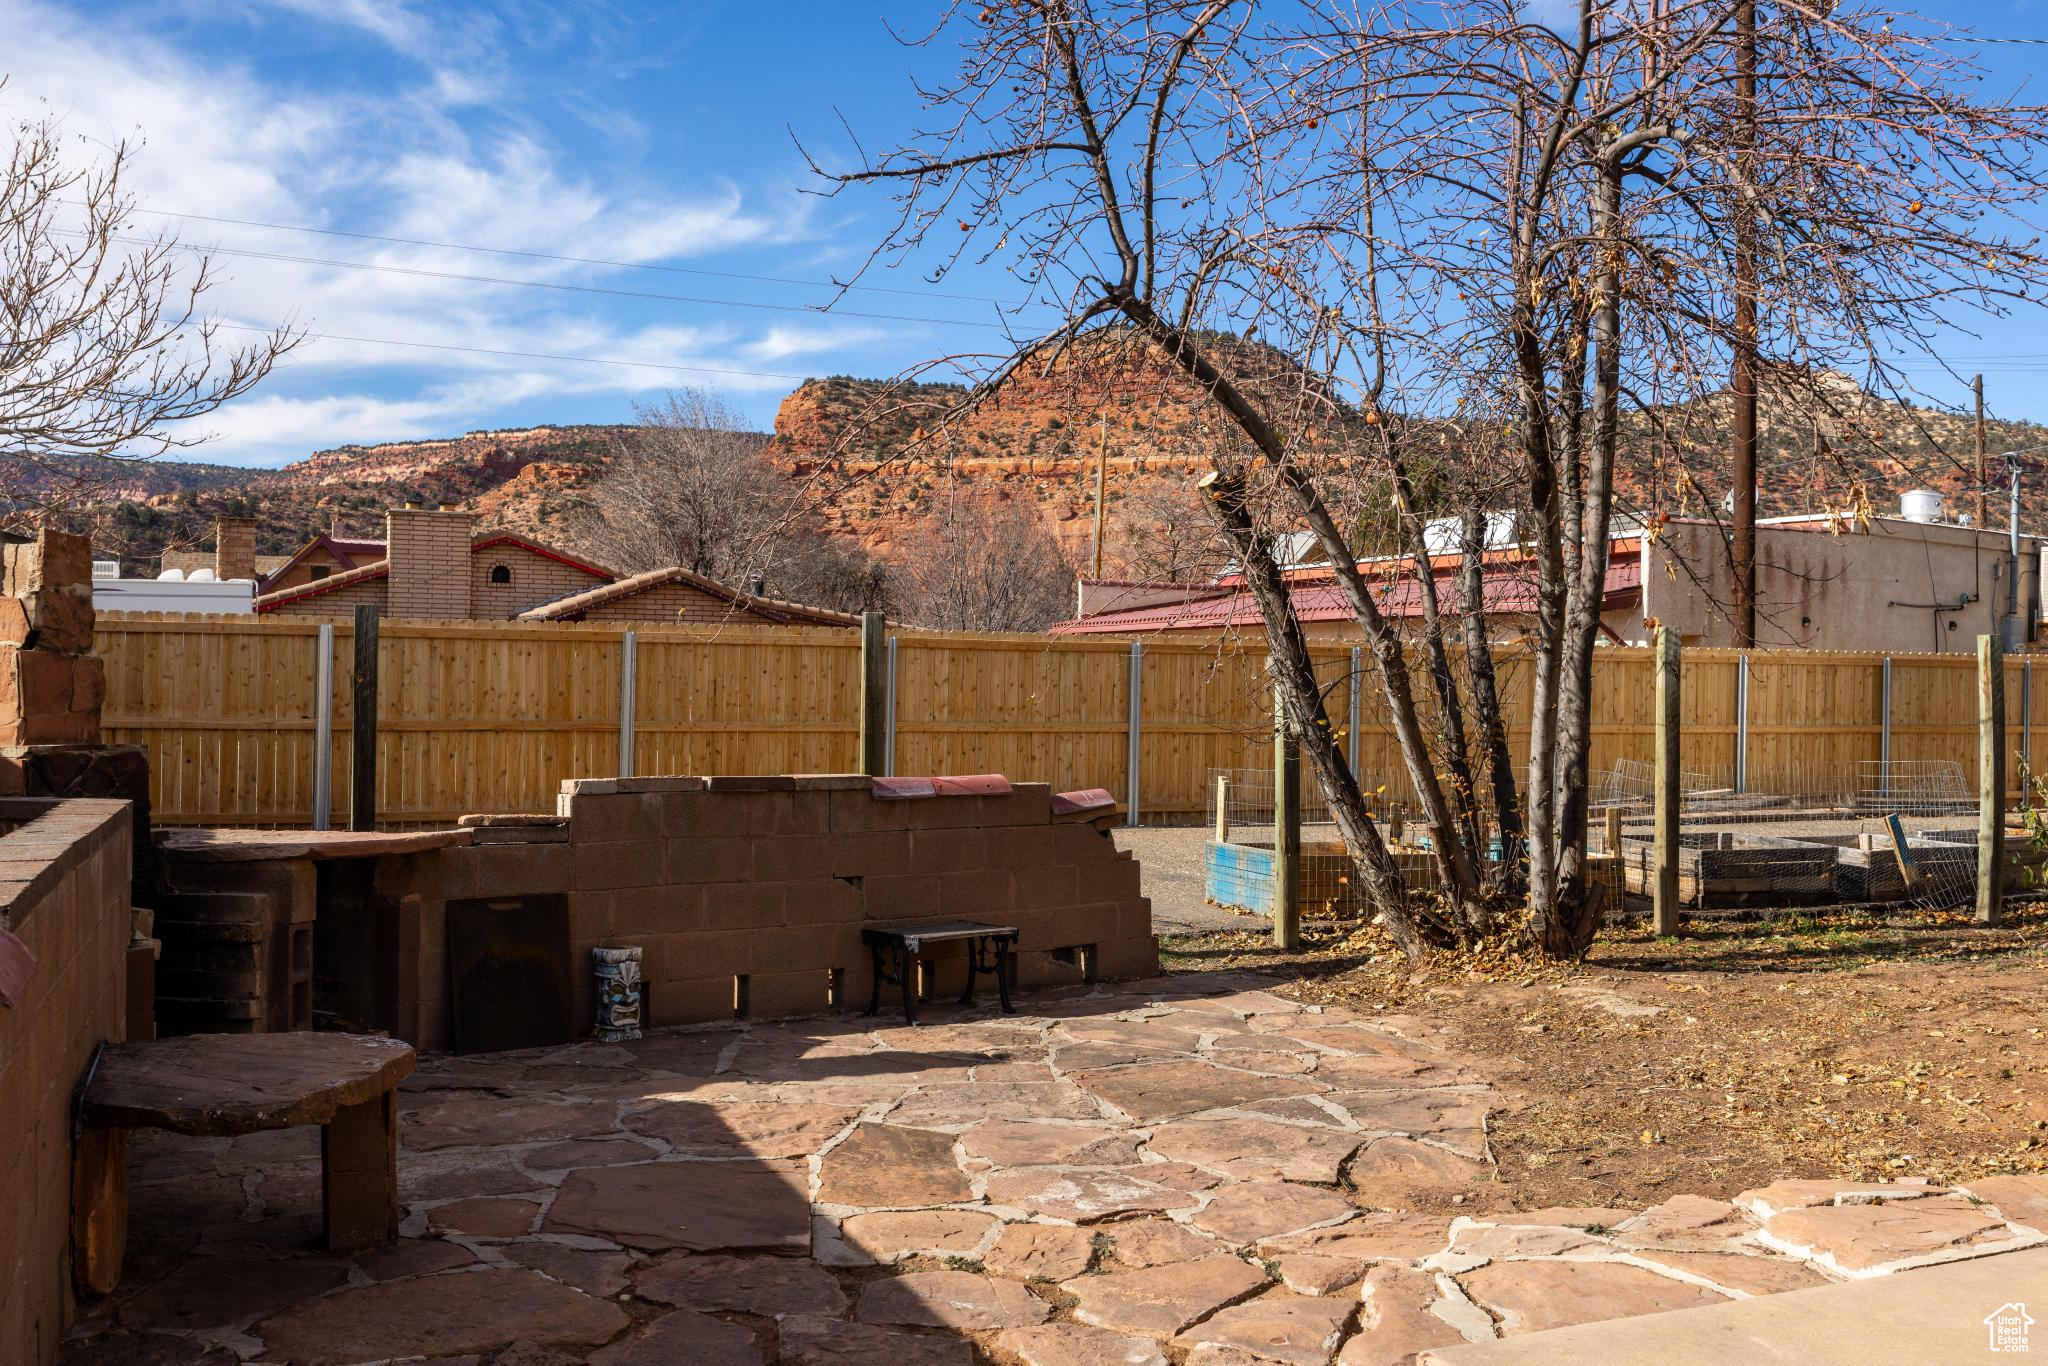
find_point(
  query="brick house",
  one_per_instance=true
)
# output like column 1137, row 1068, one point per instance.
column 432, row 563
column 676, row 594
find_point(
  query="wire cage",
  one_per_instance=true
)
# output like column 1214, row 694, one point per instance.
column 1863, row 833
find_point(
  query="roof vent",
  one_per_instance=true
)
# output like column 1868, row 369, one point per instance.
column 1920, row 505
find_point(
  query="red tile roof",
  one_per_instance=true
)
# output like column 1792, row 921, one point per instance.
column 789, row 613
column 1318, row 597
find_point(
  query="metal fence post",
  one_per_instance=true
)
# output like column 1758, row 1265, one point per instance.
column 889, row 721
column 1884, row 736
column 323, row 730
column 629, row 699
column 1357, row 711
column 1134, row 733
column 1742, row 724
column 2026, row 720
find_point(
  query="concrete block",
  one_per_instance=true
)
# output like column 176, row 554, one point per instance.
column 742, row 905
column 704, row 816
column 1039, row 888
column 856, row 812
column 709, row 953
column 663, row 785
column 728, row 859
column 681, row 1001
column 1081, row 844
column 591, row 915
column 947, row 850
column 822, row 901
column 776, row 782
column 640, row 863
column 912, row 897
column 608, row 817
column 1122, row 959
column 830, row 782
column 812, row 856
column 1114, row 880
column 517, row 869
column 670, row 908
column 983, row 894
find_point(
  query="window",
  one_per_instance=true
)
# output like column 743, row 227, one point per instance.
column 501, row 573
column 321, row 571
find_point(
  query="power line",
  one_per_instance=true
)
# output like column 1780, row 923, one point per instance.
column 423, row 273
column 575, row 260
column 524, row 355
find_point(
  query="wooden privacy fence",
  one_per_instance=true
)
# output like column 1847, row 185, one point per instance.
column 491, row 716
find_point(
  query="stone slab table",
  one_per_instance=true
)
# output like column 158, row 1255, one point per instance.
column 221, row 1085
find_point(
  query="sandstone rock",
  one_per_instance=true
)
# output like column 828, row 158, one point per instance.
column 1019, row 1143
column 891, row 1236
column 1286, row 1328
column 1157, row 1242
column 747, row 1130
column 702, row 1206
column 1395, row 1323
column 486, row 1217
column 1306, row 1273
column 951, row 1105
column 1685, row 1221
column 144, row 1349
column 1162, row 1300
column 1855, row 1239
column 594, row 1272
column 1041, row 1252
column 884, row 1165
column 1736, row 1271
column 1076, row 1344
column 1375, row 1237
column 1527, row 1240
column 1389, row 1166
column 1255, row 1149
column 1169, row 1089
column 1085, row 1195
column 809, row 1341
column 1779, row 1196
column 434, row 1316
column 768, row 1286
column 1251, row 1210
column 475, row 1120
column 683, row 1336
column 574, row 1153
column 1528, row 1297
column 412, row 1257
column 211, row 1292
column 2021, row 1199
column 959, row 1300
column 450, row 1174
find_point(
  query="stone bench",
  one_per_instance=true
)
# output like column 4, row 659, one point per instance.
column 221, row 1085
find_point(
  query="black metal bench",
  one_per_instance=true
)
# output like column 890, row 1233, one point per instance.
column 903, row 943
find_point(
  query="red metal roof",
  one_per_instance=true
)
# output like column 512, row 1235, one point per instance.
column 1323, row 599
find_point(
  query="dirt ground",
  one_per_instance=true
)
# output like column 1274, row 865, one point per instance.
column 1846, row 1044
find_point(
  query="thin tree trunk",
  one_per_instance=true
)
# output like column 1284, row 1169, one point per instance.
column 1567, row 932
column 1293, row 672
column 1461, row 884
column 1511, row 871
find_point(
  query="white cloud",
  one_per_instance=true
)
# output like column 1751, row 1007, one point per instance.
column 220, row 140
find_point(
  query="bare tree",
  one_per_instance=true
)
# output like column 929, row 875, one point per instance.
column 984, row 565
column 1448, row 216
column 104, row 355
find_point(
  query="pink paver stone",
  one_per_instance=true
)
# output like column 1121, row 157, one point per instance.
column 1076, row 1344
column 1293, row 1329
column 884, row 1165
column 768, row 1286
column 806, row 1340
column 1252, row 1210
column 1162, row 1300
column 1858, row 1238
column 438, row 1316
column 1528, row 1297
column 1256, row 1149
column 1394, row 1320
column 702, row 1206
column 959, row 1300
column 1041, row 1252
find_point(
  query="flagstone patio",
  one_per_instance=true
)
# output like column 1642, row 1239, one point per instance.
column 1189, row 1169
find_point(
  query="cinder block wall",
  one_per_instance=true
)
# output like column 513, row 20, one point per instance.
column 66, row 898
column 771, row 879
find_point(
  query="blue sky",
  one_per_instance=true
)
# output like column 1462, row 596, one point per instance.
column 649, row 133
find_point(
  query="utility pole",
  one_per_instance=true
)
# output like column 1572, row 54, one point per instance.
column 1743, row 379
column 1101, row 464
column 1977, row 388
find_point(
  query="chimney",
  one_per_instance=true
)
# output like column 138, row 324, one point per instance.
column 234, row 548
column 428, row 552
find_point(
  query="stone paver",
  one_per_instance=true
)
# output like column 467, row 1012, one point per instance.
column 1118, row 1176
column 1163, row 1299
column 1274, row 1327
column 950, row 1299
column 1076, row 1344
